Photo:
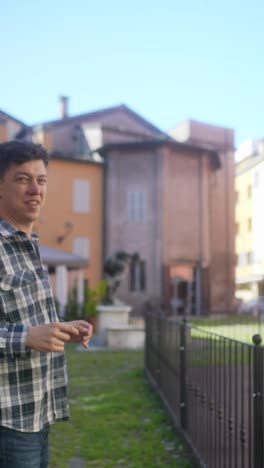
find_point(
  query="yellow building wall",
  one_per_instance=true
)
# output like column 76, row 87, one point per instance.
column 58, row 210
column 243, row 185
column 244, row 238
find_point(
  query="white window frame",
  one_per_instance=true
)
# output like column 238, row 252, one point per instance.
column 136, row 206
column 81, row 196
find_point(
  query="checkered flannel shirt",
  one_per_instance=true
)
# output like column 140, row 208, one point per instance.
column 32, row 384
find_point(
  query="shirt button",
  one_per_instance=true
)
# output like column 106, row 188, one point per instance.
column 5, row 287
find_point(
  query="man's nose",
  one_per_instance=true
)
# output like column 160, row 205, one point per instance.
column 34, row 187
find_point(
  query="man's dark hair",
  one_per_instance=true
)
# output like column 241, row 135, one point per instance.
column 19, row 152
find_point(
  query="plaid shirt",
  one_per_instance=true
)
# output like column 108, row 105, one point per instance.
column 32, row 383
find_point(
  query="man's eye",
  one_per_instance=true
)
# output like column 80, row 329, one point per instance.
column 22, row 180
column 42, row 181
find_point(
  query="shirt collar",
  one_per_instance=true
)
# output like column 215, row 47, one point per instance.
column 8, row 230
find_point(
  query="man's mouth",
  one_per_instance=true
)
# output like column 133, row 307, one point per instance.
column 33, row 203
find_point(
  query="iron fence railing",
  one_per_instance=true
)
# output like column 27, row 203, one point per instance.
column 213, row 389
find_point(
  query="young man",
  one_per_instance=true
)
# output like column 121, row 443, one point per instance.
column 32, row 361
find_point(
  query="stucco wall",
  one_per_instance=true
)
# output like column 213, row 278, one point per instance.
column 222, row 234
column 135, row 171
column 189, row 218
column 182, row 207
column 199, row 220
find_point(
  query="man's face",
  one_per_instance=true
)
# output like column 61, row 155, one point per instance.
column 22, row 193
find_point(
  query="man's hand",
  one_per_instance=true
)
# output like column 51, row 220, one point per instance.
column 85, row 332
column 51, row 337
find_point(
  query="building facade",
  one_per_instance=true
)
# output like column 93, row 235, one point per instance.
column 117, row 182
column 249, row 220
column 173, row 203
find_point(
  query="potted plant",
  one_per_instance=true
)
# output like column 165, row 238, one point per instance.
column 72, row 309
column 93, row 297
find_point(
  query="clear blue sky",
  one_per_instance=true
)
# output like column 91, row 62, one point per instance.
column 166, row 59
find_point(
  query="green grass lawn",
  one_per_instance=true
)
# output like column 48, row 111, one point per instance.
column 116, row 420
column 238, row 327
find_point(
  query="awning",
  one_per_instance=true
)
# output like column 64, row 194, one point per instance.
column 54, row 257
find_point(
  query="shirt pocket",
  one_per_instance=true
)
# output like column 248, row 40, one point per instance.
column 16, row 280
column 19, row 297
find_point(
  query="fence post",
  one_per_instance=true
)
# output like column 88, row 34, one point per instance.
column 158, row 370
column 183, row 409
column 258, row 401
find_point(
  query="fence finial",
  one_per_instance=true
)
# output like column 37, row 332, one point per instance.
column 257, row 339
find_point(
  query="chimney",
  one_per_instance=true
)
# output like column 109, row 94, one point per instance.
column 63, row 101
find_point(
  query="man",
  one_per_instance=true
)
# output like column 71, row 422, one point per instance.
column 32, row 361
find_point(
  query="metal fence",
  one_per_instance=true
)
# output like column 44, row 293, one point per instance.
column 212, row 387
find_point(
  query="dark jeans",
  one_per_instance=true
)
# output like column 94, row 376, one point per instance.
column 23, row 449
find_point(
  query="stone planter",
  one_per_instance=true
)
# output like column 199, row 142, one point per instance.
column 111, row 316
column 129, row 337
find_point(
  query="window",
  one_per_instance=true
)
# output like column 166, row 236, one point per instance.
column 81, row 247
column 242, row 259
column 249, row 191
column 245, row 258
column 256, row 179
column 81, row 196
column 249, row 224
column 237, row 228
column 250, row 258
column 137, row 279
column 136, row 206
